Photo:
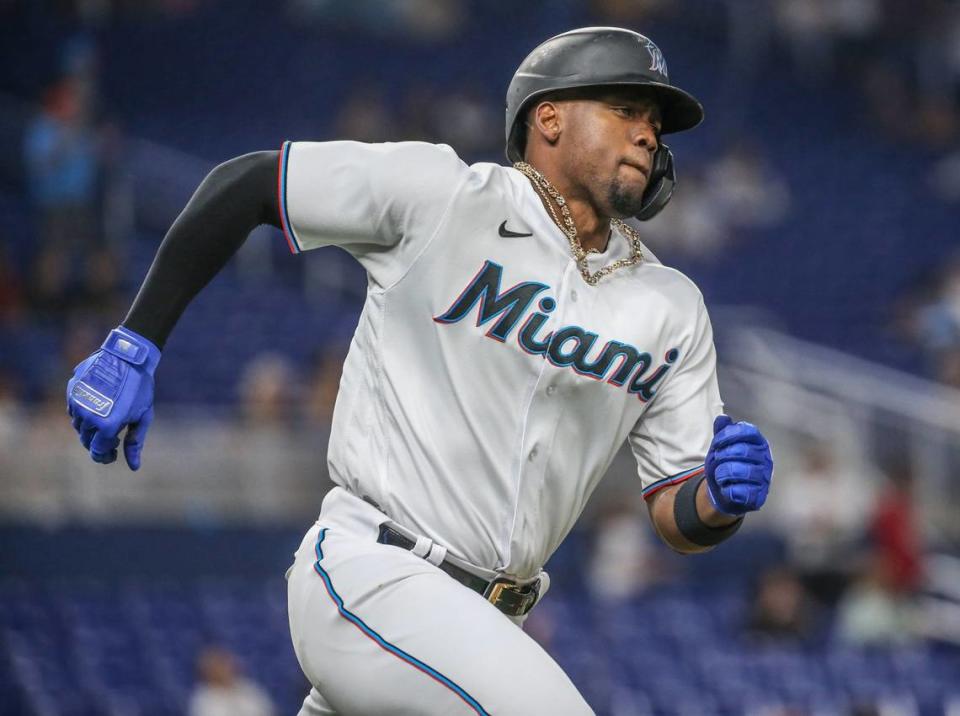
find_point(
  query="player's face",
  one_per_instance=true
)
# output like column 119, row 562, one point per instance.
column 611, row 139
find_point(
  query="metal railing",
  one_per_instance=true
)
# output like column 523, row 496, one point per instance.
column 873, row 415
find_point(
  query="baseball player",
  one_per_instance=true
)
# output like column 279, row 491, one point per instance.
column 515, row 333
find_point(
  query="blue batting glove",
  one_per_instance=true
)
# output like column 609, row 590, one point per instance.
column 112, row 390
column 739, row 467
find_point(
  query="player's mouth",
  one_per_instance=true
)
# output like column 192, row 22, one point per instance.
column 642, row 168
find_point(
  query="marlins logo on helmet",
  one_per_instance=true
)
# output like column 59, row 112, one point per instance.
column 657, row 63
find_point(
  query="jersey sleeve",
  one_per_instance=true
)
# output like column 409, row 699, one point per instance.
column 380, row 202
column 671, row 439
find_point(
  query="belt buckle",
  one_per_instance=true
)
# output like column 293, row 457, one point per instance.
column 494, row 593
column 495, row 589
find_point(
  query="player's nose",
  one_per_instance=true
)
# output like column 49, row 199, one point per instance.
column 644, row 135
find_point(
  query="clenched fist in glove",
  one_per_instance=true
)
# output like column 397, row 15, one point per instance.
column 738, row 467
column 112, row 390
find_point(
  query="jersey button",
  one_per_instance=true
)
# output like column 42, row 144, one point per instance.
column 533, row 454
column 573, row 296
column 551, row 389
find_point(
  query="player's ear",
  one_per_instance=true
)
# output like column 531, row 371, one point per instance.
column 545, row 121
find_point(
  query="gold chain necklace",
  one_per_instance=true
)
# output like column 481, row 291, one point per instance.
column 548, row 191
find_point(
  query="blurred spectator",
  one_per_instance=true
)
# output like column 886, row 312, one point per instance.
column 692, row 223
column 221, row 691
column 622, row 561
column 11, row 409
column 886, row 91
column 11, row 289
column 945, row 177
column 902, row 55
column 821, row 508
column 62, row 161
column 100, row 293
column 937, row 122
column 813, row 30
column 628, row 13
column 746, row 188
column 781, row 609
column 937, row 54
column 62, row 285
column 72, row 269
column 80, row 62
column 950, row 368
column 469, row 124
column 936, row 325
column 364, row 115
column 51, row 291
column 895, row 534
column 270, row 437
column 739, row 190
column 418, row 114
column 874, row 610
column 430, row 20
column 938, row 605
column 433, row 19
column 266, row 392
column 879, row 607
column 806, row 30
column 322, row 386
column 914, row 65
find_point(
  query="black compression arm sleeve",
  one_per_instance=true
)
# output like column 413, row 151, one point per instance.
column 235, row 198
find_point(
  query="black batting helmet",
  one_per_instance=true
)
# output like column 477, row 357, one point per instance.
column 603, row 56
column 593, row 56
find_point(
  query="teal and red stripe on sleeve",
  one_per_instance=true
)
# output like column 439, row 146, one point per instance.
column 282, row 198
column 654, row 488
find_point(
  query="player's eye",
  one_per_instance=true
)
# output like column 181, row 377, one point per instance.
column 628, row 112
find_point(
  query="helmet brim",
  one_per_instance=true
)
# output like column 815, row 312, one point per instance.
column 679, row 110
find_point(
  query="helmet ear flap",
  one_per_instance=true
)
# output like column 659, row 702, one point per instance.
column 663, row 180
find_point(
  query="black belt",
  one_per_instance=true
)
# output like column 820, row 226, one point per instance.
column 511, row 598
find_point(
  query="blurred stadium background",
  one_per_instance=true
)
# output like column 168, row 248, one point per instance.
column 818, row 210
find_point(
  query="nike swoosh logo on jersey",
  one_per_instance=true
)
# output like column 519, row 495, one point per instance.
column 506, row 233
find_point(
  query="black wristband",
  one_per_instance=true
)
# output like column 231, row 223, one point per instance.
column 688, row 519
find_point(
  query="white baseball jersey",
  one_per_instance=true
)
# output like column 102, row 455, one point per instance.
column 488, row 386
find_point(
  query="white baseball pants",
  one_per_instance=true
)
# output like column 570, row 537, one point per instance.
column 378, row 630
